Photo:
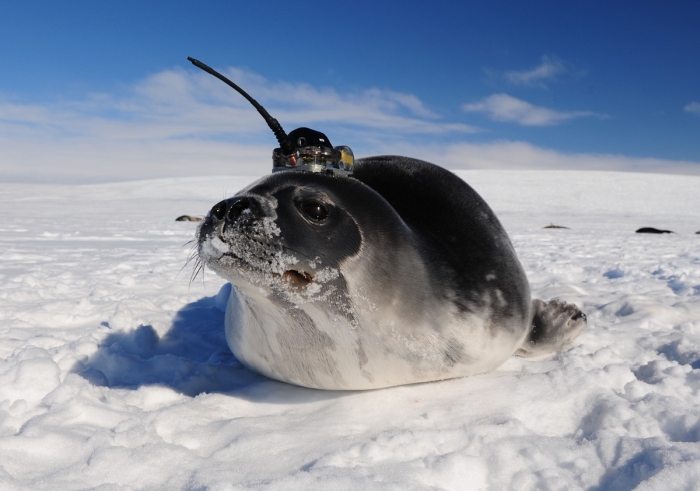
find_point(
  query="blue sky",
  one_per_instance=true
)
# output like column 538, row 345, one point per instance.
column 96, row 91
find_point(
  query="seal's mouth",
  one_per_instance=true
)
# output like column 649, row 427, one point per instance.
column 298, row 279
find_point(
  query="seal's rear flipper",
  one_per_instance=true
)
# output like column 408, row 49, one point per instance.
column 554, row 324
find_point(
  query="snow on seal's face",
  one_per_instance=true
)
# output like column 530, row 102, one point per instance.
column 285, row 240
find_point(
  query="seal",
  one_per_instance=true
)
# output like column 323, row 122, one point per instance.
column 397, row 275
column 188, row 218
column 652, row 230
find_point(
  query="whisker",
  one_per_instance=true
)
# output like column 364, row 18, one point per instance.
column 198, row 267
column 193, row 254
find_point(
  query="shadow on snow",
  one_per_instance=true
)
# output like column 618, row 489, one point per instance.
column 191, row 358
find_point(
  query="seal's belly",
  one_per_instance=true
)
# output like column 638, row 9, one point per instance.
column 312, row 347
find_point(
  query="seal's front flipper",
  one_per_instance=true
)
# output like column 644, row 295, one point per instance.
column 554, row 324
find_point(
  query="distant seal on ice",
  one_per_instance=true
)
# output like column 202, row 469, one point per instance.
column 652, row 230
column 188, row 218
column 400, row 274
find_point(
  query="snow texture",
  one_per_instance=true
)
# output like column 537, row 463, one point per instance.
column 115, row 374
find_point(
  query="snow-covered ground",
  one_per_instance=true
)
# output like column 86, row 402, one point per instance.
column 114, row 371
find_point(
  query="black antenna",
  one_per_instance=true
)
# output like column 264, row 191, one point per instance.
column 285, row 144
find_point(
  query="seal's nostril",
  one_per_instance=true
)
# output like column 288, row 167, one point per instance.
column 237, row 208
column 219, row 210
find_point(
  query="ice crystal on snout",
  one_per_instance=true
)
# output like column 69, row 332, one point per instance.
column 327, row 274
column 249, row 248
column 317, row 290
column 258, row 252
column 252, row 251
column 270, row 227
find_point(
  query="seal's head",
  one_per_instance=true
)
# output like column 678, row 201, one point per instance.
column 286, row 235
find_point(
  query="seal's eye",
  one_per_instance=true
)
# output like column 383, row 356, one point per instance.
column 314, row 210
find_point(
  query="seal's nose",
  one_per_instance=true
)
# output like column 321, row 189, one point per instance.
column 230, row 209
column 236, row 208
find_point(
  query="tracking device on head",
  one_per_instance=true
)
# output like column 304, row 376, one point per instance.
column 303, row 149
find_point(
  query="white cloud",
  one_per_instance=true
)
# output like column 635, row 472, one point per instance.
column 502, row 107
column 187, row 102
column 548, row 69
column 693, row 108
column 518, row 155
column 179, row 122
column 185, row 123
